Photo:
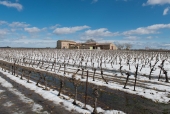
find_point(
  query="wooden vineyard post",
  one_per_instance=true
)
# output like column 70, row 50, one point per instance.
column 111, row 64
column 17, row 71
column 45, row 83
column 94, row 73
column 161, row 68
column 141, row 67
column 14, row 69
column 64, row 69
column 22, row 74
column 92, row 66
column 75, row 83
column 82, row 73
column 162, row 64
column 59, row 68
column 86, row 90
column 150, row 65
column 151, row 73
column 166, row 76
column 128, row 63
column 103, row 77
column 101, row 64
column 96, row 95
column 159, row 74
column 29, row 75
column 126, row 80
column 121, row 70
column 75, row 97
column 136, row 73
column 61, row 86
column 39, row 78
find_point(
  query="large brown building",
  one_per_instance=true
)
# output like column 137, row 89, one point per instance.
column 66, row 44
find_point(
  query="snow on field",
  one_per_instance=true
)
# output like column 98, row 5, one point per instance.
column 50, row 95
column 35, row 107
column 8, row 104
column 110, row 62
column 159, row 92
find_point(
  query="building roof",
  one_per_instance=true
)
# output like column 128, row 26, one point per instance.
column 67, row 41
column 104, row 43
column 89, row 43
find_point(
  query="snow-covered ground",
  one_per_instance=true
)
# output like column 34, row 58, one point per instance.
column 51, row 95
column 109, row 61
column 34, row 107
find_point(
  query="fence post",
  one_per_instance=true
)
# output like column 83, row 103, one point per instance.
column 136, row 73
column 94, row 73
column 82, row 73
column 61, row 86
column 126, row 80
column 86, row 90
column 96, row 95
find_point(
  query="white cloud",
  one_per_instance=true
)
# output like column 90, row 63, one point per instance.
column 47, row 38
column 3, row 22
column 3, row 31
column 149, row 37
column 69, row 30
column 147, row 30
column 19, row 24
column 102, row 32
column 27, row 42
column 44, row 29
column 23, row 37
column 32, row 30
column 18, row 6
column 167, row 44
column 156, row 2
column 97, row 34
column 55, row 26
column 131, row 38
column 166, row 11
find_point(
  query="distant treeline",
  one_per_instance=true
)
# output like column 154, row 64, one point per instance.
column 152, row 50
column 5, row 47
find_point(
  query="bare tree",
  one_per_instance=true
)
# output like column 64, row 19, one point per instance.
column 120, row 46
column 128, row 46
column 90, row 41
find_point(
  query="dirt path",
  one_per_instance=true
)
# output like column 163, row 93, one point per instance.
column 16, row 99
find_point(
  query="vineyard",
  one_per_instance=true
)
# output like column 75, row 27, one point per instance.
column 94, row 81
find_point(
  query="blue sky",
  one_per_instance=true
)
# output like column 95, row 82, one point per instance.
column 40, row 23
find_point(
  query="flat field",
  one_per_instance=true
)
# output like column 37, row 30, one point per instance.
column 86, row 81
